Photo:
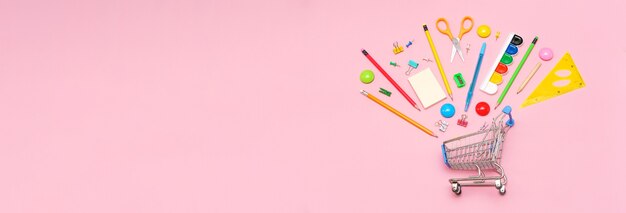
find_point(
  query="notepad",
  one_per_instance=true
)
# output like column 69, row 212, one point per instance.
column 427, row 88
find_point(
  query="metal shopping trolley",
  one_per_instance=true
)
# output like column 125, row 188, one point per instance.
column 480, row 151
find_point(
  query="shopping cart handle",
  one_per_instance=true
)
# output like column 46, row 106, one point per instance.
column 507, row 110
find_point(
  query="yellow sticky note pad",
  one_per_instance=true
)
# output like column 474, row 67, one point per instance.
column 427, row 88
column 563, row 78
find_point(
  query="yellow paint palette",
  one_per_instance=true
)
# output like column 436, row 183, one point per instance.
column 563, row 78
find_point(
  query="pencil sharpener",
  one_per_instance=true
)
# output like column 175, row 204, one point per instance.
column 458, row 78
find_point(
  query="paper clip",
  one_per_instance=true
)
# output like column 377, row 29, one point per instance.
column 427, row 60
column 443, row 125
column 409, row 44
column 393, row 64
column 462, row 122
column 397, row 48
column 385, row 92
column 412, row 65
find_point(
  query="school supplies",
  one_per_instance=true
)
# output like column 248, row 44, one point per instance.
column 563, row 78
column 367, row 76
column 385, row 92
column 519, row 67
column 499, row 68
column 458, row 79
column 393, row 64
column 532, row 73
column 443, row 74
column 397, row 48
column 398, row 113
column 483, row 31
column 443, row 125
column 480, row 151
column 427, row 88
column 369, row 57
column 482, row 108
column 409, row 44
column 447, row 110
column 412, row 65
column 470, row 92
column 463, row 121
column 546, row 54
column 456, row 46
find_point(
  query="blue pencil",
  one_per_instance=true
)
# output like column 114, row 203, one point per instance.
column 470, row 92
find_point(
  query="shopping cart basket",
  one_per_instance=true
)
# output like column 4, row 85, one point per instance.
column 479, row 151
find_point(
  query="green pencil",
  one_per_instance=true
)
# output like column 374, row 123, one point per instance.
column 519, row 67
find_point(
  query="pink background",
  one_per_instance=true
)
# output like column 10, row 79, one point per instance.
column 253, row 106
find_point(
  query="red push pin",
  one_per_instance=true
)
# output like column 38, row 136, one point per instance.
column 462, row 122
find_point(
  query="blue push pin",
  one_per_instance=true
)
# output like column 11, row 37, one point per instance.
column 507, row 110
column 409, row 44
column 447, row 110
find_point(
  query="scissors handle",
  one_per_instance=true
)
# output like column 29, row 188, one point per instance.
column 447, row 30
column 463, row 29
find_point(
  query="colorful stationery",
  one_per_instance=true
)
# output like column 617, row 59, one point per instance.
column 563, row 78
column 398, row 113
column 519, row 67
column 443, row 74
column 427, row 88
column 369, row 57
column 470, row 92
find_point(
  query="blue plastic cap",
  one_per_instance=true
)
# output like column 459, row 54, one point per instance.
column 507, row 110
column 482, row 49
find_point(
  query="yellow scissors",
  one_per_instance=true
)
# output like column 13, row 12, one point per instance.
column 456, row 46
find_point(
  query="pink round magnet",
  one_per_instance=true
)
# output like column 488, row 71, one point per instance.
column 546, row 54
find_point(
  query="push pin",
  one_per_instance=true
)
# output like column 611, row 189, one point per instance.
column 462, row 122
column 427, row 60
column 397, row 48
column 443, row 125
column 412, row 65
column 393, row 64
column 385, row 92
column 467, row 48
column 409, row 44
column 497, row 35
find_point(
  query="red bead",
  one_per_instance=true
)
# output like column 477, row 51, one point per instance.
column 482, row 108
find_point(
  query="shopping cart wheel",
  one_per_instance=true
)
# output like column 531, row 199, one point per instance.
column 502, row 190
column 498, row 184
column 456, row 188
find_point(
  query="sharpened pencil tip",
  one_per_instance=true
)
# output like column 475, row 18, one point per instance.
column 418, row 109
column 435, row 136
column 496, row 106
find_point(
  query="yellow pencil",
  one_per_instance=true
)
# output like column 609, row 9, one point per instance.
column 398, row 113
column 443, row 74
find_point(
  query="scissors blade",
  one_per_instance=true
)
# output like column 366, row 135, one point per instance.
column 457, row 46
column 452, row 53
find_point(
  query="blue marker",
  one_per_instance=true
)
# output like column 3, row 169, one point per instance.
column 470, row 92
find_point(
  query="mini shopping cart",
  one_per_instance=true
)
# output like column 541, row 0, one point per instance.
column 479, row 151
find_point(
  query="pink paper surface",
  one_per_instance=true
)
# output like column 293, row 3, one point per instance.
column 254, row 106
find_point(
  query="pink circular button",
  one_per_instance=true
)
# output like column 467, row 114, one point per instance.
column 546, row 54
